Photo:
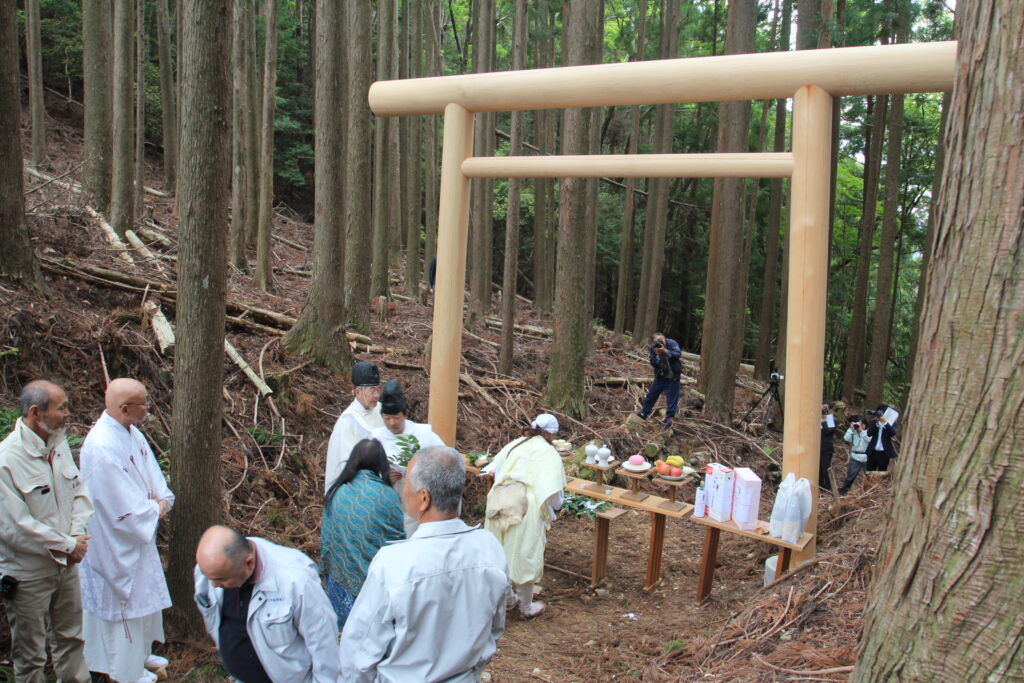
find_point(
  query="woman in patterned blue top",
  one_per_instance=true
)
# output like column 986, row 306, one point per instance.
column 362, row 512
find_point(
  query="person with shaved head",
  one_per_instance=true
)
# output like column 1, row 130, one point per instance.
column 44, row 510
column 123, row 588
column 265, row 609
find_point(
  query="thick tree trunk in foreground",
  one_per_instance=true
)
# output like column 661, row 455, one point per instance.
column 264, row 275
column 722, row 339
column 97, row 75
column 320, row 329
column 515, row 148
column 357, row 165
column 430, row 184
column 17, row 261
column 168, row 112
column 202, row 282
column 945, row 601
column 565, row 390
column 36, row 98
column 122, row 190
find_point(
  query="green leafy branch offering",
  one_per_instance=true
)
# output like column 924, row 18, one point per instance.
column 582, row 506
column 409, row 445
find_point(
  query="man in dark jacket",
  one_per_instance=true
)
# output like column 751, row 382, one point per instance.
column 828, row 428
column 665, row 359
column 880, row 448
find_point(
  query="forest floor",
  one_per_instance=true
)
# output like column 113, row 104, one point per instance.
column 91, row 325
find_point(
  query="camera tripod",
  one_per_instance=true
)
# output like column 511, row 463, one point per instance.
column 768, row 397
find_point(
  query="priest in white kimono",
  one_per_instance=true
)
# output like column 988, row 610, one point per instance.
column 123, row 585
column 528, row 490
column 396, row 430
column 356, row 422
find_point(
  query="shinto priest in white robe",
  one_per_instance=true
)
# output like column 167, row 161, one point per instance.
column 123, row 585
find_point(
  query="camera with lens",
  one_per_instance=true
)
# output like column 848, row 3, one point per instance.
column 872, row 413
column 857, row 423
column 8, row 586
column 659, row 344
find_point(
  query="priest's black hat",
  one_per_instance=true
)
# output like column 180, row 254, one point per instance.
column 365, row 374
column 392, row 401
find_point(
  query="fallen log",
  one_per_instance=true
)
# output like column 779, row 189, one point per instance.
column 108, row 231
column 143, row 250
column 260, row 385
column 161, row 327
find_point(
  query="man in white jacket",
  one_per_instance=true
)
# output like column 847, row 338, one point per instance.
column 357, row 421
column 44, row 510
column 123, row 588
column 265, row 610
column 432, row 607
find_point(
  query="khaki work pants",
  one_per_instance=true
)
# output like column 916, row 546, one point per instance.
column 56, row 601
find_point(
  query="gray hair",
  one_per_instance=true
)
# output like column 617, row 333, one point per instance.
column 442, row 472
column 35, row 393
column 236, row 549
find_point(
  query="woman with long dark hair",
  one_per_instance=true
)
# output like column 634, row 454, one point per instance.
column 362, row 512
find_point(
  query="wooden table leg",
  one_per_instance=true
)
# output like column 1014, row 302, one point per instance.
column 784, row 559
column 655, row 550
column 599, row 566
column 707, row 566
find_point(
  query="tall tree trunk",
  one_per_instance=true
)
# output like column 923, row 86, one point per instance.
column 320, row 329
column 240, row 137
column 122, row 206
column 720, row 348
column 769, row 286
column 565, row 390
column 168, row 113
column 649, row 299
column 396, row 212
column 627, row 247
column 251, row 93
column 430, row 186
column 202, row 284
column 515, row 148
column 945, row 602
column 595, row 54
column 264, row 276
column 381, row 142
column 856, row 345
column 926, row 256
column 36, row 96
column 140, row 106
column 481, row 212
column 17, row 261
column 357, row 164
column 413, row 159
column 881, row 329
column 97, row 35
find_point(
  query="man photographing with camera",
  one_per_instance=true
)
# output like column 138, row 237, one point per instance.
column 664, row 355
column 857, row 436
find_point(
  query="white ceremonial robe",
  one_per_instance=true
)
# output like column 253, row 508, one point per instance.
column 432, row 608
column 353, row 425
column 123, row 582
column 423, row 433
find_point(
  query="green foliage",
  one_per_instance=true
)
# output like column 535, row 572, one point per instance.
column 673, row 645
column 408, row 446
column 265, row 438
column 582, row 506
column 8, row 416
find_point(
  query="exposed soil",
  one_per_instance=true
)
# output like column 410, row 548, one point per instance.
column 804, row 628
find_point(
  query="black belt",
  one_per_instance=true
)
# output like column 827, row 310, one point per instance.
column 860, row 452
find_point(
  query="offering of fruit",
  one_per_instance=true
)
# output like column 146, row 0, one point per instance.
column 675, row 472
column 674, row 461
column 662, row 467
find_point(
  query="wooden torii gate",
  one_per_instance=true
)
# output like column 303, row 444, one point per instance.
column 810, row 77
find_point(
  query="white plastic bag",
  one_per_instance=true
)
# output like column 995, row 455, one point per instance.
column 779, row 508
column 797, row 511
